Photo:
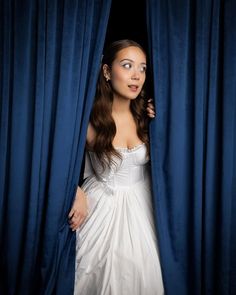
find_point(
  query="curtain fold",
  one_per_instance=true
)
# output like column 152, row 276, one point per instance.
column 50, row 54
column 192, row 47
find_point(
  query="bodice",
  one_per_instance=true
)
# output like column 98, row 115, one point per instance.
column 130, row 169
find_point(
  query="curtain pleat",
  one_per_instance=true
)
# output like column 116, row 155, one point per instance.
column 193, row 142
column 50, row 57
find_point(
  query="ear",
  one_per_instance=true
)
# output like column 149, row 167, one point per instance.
column 106, row 72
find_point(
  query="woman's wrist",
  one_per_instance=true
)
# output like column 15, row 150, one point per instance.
column 80, row 194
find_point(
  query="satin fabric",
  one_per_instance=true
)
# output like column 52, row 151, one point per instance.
column 117, row 248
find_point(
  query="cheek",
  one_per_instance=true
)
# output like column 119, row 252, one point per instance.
column 142, row 80
column 118, row 81
column 118, row 77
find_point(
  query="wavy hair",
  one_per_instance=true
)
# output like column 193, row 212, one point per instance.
column 101, row 118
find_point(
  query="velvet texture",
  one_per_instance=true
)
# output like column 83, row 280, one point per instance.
column 50, row 53
column 192, row 47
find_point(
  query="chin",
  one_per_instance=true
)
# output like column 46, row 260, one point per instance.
column 133, row 96
column 129, row 96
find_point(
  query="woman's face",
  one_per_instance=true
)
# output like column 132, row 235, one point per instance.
column 128, row 72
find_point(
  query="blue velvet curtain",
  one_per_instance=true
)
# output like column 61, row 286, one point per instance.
column 193, row 51
column 50, row 55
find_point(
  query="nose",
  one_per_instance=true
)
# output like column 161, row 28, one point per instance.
column 135, row 75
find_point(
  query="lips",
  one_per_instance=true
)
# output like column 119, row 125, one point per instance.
column 133, row 87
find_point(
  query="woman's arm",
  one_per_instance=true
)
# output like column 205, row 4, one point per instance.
column 79, row 209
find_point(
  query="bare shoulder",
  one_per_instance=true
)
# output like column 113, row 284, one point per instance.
column 91, row 135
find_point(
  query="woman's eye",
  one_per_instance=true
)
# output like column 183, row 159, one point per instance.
column 143, row 69
column 127, row 66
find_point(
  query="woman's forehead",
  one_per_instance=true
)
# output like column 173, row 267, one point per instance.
column 133, row 53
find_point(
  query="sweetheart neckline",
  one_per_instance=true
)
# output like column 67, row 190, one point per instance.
column 125, row 149
column 134, row 148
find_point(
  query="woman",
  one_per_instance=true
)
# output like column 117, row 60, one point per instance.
column 117, row 250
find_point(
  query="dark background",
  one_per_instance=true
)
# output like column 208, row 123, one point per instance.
column 127, row 20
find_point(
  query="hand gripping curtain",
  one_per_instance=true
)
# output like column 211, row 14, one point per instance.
column 50, row 54
column 192, row 47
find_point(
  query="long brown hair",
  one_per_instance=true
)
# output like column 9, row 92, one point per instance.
column 101, row 118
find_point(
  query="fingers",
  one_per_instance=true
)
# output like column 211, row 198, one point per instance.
column 71, row 213
column 76, row 220
column 150, row 104
column 150, row 108
column 151, row 112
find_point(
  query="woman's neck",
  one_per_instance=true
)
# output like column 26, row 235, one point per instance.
column 120, row 105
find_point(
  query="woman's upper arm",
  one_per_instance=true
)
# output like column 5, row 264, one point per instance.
column 91, row 134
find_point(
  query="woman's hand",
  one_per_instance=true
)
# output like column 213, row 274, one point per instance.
column 150, row 108
column 79, row 210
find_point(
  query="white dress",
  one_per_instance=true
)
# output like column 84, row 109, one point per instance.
column 116, row 247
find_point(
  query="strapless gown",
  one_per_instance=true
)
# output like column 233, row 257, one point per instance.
column 116, row 247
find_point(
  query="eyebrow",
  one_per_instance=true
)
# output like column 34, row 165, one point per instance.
column 143, row 63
